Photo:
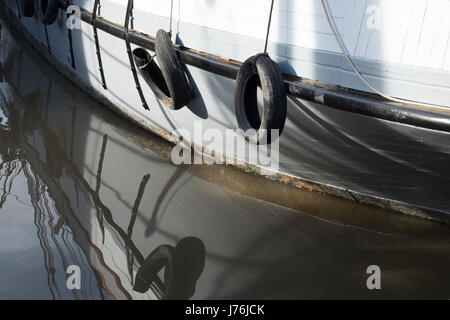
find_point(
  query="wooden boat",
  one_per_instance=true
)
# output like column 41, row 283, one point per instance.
column 367, row 83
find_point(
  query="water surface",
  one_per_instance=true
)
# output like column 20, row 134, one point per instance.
column 81, row 186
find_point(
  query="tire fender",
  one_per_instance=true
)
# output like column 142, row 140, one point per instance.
column 260, row 71
column 167, row 79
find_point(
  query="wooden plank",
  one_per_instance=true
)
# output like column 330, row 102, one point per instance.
column 414, row 31
column 349, row 33
column 398, row 38
column 440, row 38
column 429, row 29
column 446, row 65
column 363, row 32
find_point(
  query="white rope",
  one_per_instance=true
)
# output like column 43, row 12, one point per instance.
column 150, row 59
column 171, row 11
column 352, row 65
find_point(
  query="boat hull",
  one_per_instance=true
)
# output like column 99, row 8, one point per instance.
column 370, row 160
column 85, row 170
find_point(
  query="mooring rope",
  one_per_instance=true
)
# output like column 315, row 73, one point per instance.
column 358, row 73
column 151, row 57
column 268, row 27
column 170, row 19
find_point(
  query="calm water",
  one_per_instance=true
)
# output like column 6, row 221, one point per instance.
column 81, row 186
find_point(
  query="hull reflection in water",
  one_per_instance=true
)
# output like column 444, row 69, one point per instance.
column 102, row 194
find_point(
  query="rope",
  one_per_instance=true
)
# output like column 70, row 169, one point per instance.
column 360, row 76
column 171, row 11
column 151, row 57
column 268, row 27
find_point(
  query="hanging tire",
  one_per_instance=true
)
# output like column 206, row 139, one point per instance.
column 162, row 256
column 27, row 7
column 260, row 71
column 167, row 80
column 49, row 10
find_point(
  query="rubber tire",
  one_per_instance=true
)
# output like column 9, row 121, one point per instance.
column 27, row 7
column 168, row 81
column 162, row 256
column 49, row 10
column 260, row 70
